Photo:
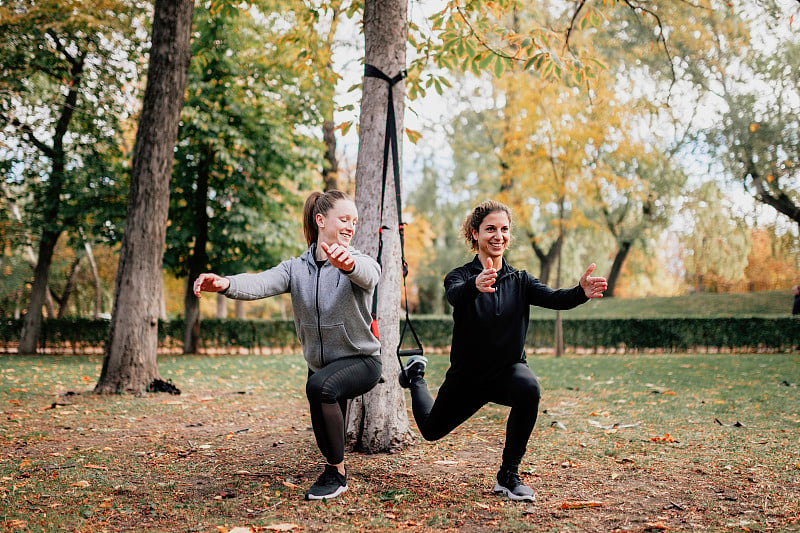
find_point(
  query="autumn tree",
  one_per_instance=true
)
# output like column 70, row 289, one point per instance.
column 243, row 161
column 758, row 138
column 378, row 420
column 129, row 362
column 774, row 259
column 64, row 91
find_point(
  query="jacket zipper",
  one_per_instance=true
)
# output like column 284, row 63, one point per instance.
column 319, row 320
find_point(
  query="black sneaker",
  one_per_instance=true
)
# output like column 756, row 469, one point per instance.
column 509, row 484
column 329, row 484
column 415, row 367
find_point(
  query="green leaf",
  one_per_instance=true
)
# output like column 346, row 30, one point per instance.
column 499, row 66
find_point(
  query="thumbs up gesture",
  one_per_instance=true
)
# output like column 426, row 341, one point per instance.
column 486, row 278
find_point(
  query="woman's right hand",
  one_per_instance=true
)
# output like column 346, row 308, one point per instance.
column 486, row 278
column 209, row 282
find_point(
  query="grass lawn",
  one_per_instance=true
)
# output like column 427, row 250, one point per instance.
column 686, row 442
column 701, row 305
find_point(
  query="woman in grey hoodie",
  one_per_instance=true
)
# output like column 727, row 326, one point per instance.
column 331, row 286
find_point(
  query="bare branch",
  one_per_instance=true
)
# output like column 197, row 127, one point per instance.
column 572, row 24
column 661, row 37
column 27, row 131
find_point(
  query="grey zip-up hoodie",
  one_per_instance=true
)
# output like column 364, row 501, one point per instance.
column 331, row 307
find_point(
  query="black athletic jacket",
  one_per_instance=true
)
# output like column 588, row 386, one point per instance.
column 489, row 328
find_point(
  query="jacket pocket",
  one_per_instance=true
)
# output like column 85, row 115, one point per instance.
column 336, row 342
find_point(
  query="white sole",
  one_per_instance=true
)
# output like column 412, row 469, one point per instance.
column 499, row 489
column 338, row 491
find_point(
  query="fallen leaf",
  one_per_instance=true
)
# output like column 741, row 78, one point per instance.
column 581, row 504
column 290, row 484
column 95, row 467
column 82, row 483
column 446, row 462
column 666, row 438
column 241, row 530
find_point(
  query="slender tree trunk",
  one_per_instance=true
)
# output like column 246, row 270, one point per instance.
column 546, row 259
column 239, row 310
column 222, row 306
column 53, row 225
column 70, row 288
column 32, row 323
column 198, row 260
column 330, row 168
column 616, row 268
column 378, row 421
column 559, row 333
column 129, row 363
column 98, row 297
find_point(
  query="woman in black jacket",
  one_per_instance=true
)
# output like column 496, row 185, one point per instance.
column 491, row 308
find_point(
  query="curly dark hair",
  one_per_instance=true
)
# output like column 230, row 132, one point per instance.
column 474, row 219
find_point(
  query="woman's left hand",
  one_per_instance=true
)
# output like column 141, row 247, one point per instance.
column 593, row 286
column 339, row 256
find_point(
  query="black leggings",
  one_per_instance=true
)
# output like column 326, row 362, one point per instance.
column 459, row 399
column 328, row 390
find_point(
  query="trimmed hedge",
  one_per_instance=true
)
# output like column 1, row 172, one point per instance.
column 668, row 334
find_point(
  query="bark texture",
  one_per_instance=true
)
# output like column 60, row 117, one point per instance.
column 130, row 363
column 378, row 421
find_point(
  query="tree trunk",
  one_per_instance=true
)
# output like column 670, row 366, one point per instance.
column 222, row 306
column 378, row 421
column 198, row 260
column 98, row 297
column 548, row 259
column 616, row 268
column 70, row 288
column 53, row 225
column 32, row 323
column 559, row 333
column 239, row 311
column 129, row 363
column 330, row 167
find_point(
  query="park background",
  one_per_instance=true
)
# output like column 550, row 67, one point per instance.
column 657, row 139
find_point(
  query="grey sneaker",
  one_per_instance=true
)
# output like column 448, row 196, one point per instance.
column 415, row 367
column 329, row 485
column 510, row 485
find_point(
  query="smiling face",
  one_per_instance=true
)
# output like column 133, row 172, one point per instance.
column 493, row 235
column 338, row 225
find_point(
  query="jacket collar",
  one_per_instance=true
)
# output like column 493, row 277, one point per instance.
column 477, row 267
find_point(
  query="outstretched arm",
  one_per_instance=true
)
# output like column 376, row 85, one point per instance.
column 593, row 286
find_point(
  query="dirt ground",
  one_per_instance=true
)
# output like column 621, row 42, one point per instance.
column 214, row 460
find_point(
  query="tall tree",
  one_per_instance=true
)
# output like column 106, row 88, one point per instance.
column 242, row 154
column 129, row 362
column 61, row 122
column 758, row 138
column 378, row 421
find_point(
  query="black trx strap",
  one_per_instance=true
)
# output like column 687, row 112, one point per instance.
column 390, row 142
